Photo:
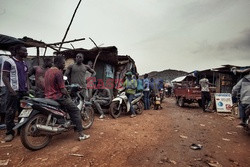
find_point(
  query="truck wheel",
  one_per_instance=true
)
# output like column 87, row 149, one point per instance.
column 181, row 102
column 176, row 100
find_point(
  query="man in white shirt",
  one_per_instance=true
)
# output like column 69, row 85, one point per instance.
column 205, row 94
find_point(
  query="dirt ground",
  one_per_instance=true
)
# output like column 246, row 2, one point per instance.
column 155, row 138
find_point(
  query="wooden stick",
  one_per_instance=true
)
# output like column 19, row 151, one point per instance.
column 70, row 23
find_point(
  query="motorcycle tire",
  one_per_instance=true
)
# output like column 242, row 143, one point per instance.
column 29, row 131
column 139, row 109
column 88, row 116
column 114, row 112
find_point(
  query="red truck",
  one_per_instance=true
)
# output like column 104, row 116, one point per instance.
column 188, row 95
column 186, row 91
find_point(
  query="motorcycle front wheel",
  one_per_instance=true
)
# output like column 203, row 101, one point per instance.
column 88, row 116
column 114, row 111
column 31, row 137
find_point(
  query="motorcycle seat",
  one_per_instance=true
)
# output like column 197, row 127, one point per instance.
column 46, row 101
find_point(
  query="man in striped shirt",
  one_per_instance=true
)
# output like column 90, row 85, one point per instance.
column 15, row 75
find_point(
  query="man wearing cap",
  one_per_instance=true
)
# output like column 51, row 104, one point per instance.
column 130, row 85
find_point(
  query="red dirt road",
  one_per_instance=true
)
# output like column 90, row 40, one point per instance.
column 155, row 138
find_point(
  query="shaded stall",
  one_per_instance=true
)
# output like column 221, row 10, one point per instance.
column 110, row 67
column 223, row 77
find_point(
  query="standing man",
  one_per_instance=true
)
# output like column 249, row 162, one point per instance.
column 55, row 89
column 205, row 93
column 39, row 73
column 139, row 83
column 243, row 88
column 130, row 85
column 77, row 72
column 146, row 92
column 15, row 76
column 101, row 97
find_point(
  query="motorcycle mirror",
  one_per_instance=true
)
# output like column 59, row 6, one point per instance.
column 65, row 78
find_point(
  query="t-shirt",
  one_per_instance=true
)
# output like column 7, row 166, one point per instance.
column 2, row 59
column 54, row 83
column 146, row 84
column 139, row 85
column 18, row 73
column 78, row 73
column 204, row 85
column 40, row 72
column 103, row 93
column 130, row 86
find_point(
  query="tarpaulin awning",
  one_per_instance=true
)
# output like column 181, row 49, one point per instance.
column 6, row 42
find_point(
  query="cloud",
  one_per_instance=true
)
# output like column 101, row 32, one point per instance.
column 241, row 43
column 199, row 10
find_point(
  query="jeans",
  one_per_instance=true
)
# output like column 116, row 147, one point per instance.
column 146, row 100
column 98, row 104
column 73, row 111
column 13, row 105
column 206, row 98
column 242, row 109
column 130, row 99
column 3, row 101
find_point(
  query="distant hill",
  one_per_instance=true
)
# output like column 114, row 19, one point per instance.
column 166, row 75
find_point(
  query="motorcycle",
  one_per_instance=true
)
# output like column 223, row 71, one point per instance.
column 247, row 126
column 121, row 104
column 43, row 118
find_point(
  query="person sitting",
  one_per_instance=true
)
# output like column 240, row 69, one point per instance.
column 130, row 85
column 243, row 88
column 101, row 97
column 55, row 89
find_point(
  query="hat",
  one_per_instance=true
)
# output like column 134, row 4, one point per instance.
column 129, row 73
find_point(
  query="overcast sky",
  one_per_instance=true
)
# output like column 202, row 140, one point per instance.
column 158, row 34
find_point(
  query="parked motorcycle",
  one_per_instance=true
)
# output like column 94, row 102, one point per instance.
column 121, row 104
column 42, row 118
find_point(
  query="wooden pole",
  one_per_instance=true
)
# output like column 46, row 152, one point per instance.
column 57, row 43
column 70, row 23
column 38, row 54
column 97, row 54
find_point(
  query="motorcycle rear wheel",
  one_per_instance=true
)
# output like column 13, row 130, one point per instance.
column 29, row 134
column 88, row 116
column 114, row 111
column 139, row 109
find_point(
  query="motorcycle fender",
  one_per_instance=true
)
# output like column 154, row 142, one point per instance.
column 23, row 121
column 128, row 106
column 117, row 99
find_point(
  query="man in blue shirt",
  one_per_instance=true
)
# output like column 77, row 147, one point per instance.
column 146, row 92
